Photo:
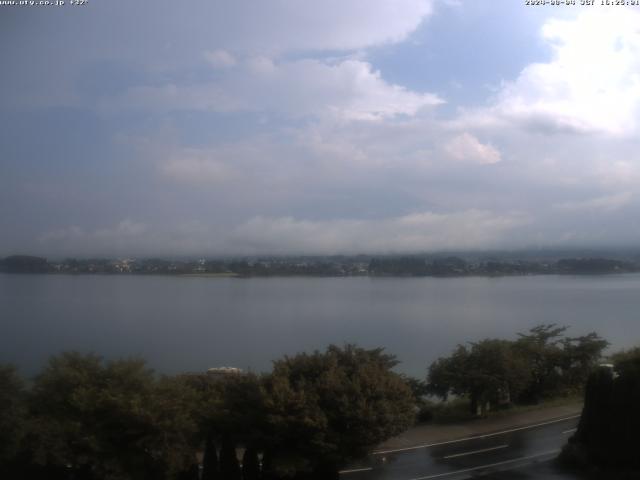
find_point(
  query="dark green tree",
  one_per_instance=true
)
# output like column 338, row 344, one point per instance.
column 542, row 349
column 419, row 388
column 210, row 469
column 540, row 364
column 12, row 416
column 116, row 420
column 250, row 464
column 580, row 356
column 489, row 373
column 239, row 411
column 447, row 375
column 191, row 473
column 607, row 432
column 229, row 465
column 326, row 408
column 174, row 421
column 268, row 470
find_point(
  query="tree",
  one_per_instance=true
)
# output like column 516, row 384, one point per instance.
column 541, row 348
column 580, row 356
column 250, row 464
column 607, row 433
column 326, row 408
column 268, row 467
column 418, row 387
column 175, row 429
column 559, row 364
column 495, row 374
column 12, row 415
column 191, row 473
column 447, row 374
column 210, row 461
column 239, row 409
column 539, row 364
column 61, row 428
column 24, row 264
column 229, row 465
column 490, row 372
column 114, row 420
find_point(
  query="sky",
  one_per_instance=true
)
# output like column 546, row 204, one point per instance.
column 292, row 127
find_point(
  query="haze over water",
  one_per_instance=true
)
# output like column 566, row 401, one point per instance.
column 189, row 324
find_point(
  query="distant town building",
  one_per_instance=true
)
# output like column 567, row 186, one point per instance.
column 222, row 372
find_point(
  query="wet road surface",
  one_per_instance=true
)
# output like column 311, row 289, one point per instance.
column 519, row 453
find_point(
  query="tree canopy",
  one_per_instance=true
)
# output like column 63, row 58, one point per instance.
column 606, row 437
column 327, row 407
column 89, row 419
column 12, row 413
column 114, row 419
column 540, row 363
column 86, row 418
column 488, row 372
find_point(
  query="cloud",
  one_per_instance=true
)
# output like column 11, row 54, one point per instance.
column 417, row 232
column 198, row 166
column 282, row 25
column 468, row 148
column 173, row 42
column 591, row 84
column 606, row 203
column 472, row 229
column 76, row 240
column 271, row 127
column 124, row 229
column 220, row 58
column 347, row 90
column 197, row 170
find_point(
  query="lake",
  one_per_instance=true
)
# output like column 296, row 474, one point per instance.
column 190, row 324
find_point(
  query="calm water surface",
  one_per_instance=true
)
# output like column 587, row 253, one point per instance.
column 189, row 324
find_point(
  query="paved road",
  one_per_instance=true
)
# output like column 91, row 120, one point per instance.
column 524, row 452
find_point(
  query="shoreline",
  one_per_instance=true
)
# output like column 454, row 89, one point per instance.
column 237, row 275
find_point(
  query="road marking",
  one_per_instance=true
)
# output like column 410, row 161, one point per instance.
column 476, row 437
column 490, row 465
column 355, row 470
column 475, row 451
column 571, row 430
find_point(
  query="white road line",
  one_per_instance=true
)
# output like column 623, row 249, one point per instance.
column 355, row 470
column 571, row 430
column 476, row 437
column 475, row 451
column 490, row 465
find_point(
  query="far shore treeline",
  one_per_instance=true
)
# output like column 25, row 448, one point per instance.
column 497, row 264
column 85, row 418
